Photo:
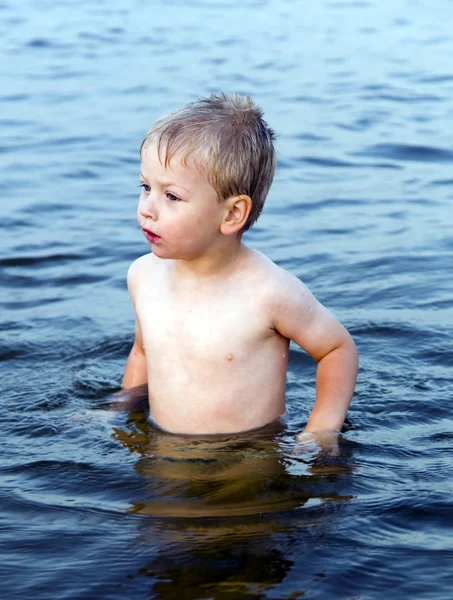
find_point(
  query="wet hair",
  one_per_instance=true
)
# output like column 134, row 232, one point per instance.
column 228, row 140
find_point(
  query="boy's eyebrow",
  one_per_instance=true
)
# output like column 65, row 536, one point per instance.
column 164, row 183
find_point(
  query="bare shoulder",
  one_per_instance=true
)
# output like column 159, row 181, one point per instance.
column 296, row 313
column 287, row 299
column 140, row 270
column 275, row 284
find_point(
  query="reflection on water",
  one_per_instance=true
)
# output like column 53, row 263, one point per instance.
column 227, row 510
column 207, row 560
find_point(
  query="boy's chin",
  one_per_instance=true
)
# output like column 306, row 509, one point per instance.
column 175, row 253
column 165, row 253
column 159, row 252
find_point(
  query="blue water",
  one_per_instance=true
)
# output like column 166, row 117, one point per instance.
column 95, row 505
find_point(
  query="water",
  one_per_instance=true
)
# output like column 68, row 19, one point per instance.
column 97, row 505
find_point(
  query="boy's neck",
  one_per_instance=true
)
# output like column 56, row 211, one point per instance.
column 217, row 262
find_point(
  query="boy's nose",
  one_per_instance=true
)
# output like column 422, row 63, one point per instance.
column 149, row 207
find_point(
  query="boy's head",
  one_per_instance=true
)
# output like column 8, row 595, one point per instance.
column 229, row 141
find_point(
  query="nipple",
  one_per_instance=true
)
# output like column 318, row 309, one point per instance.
column 229, row 356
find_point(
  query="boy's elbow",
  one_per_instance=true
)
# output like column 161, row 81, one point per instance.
column 138, row 349
column 351, row 349
column 346, row 348
column 135, row 372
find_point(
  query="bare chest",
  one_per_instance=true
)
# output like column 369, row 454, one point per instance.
column 215, row 328
column 215, row 363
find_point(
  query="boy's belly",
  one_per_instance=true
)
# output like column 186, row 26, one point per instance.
column 225, row 393
column 215, row 365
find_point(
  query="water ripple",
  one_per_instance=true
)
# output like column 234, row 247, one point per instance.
column 406, row 152
column 97, row 503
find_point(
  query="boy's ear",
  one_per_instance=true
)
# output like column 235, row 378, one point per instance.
column 237, row 210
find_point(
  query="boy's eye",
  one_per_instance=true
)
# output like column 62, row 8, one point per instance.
column 172, row 197
column 146, row 187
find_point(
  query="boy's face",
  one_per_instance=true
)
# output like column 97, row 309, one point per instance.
column 178, row 210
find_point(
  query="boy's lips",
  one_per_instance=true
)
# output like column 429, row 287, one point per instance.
column 150, row 236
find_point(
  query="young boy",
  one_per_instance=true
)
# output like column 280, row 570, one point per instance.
column 214, row 317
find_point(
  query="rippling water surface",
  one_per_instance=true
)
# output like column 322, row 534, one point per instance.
column 99, row 505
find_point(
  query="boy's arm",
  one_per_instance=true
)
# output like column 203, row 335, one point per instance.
column 301, row 318
column 136, row 372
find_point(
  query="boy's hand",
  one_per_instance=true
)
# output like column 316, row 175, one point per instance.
column 316, row 442
column 127, row 400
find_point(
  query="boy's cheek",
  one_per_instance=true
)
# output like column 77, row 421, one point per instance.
column 180, row 224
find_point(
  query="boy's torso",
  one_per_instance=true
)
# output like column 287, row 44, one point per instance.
column 215, row 362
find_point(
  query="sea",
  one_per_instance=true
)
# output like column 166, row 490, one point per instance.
column 98, row 504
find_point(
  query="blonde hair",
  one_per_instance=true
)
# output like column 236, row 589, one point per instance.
column 228, row 140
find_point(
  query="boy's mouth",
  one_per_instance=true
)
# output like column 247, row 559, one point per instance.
column 150, row 236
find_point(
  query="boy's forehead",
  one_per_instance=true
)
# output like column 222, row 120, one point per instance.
column 180, row 161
